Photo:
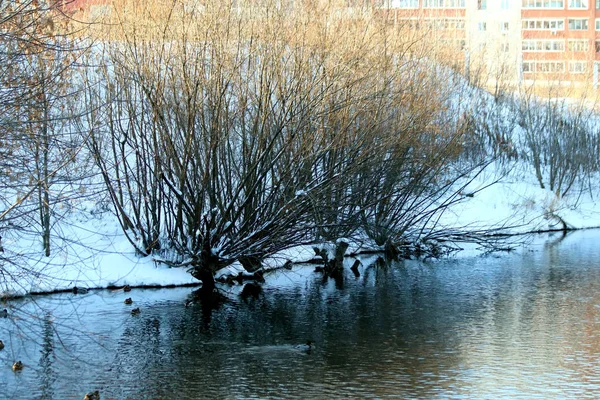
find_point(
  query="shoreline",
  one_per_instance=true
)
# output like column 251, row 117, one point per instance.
column 267, row 270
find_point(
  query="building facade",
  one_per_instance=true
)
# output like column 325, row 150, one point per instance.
column 530, row 40
column 559, row 39
column 516, row 40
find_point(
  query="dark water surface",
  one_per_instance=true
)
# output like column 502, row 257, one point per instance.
column 522, row 325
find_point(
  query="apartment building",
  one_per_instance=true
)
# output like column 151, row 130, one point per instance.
column 560, row 39
column 446, row 20
column 494, row 37
column 484, row 34
column 520, row 40
column 531, row 40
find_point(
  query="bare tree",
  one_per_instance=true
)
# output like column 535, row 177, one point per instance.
column 37, row 98
column 560, row 140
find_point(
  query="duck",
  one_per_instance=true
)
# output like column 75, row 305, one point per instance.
column 305, row 347
column 135, row 311
column 1, row 345
column 4, row 313
column 128, row 301
column 95, row 395
column 78, row 290
column 127, row 288
column 18, row 366
column 251, row 289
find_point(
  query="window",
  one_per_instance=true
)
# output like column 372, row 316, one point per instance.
column 448, row 23
column 550, row 66
column 456, row 24
column 597, row 4
column 577, row 67
column 504, row 26
column 504, row 47
column 444, row 3
column 403, row 4
column 539, row 45
column 580, row 4
column 543, row 4
column 597, row 46
column 598, row 24
column 578, row 45
column 504, row 4
column 453, row 43
column 482, row 26
column 544, row 24
column 482, row 4
column 528, row 66
column 413, row 24
column 578, row 24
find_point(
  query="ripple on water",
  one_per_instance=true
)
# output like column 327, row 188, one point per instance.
column 517, row 326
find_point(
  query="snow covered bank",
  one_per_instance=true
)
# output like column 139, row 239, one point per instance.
column 517, row 205
column 94, row 253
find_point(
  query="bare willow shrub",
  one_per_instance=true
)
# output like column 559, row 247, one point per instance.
column 232, row 132
column 420, row 171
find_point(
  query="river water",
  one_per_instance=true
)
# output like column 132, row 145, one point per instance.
column 520, row 325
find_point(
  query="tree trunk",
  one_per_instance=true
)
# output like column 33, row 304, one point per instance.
column 206, row 276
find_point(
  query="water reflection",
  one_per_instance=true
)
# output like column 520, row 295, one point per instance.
column 521, row 325
column 46, row 375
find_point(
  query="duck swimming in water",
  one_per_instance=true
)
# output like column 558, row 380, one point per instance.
column 78, row 290
column 1, row 345
column 18, row 366
column 305, row 347
column 135, row 311
column 92, row 396
column 128, row 301
column 3, row 313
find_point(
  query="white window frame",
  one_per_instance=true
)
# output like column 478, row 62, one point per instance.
column 505, row 4
column 577, row 67
column 452, row 24
column 404, row 4
column 528, row 67
column 444, row 4
column 578, row 21
column 578, row 45
column 598, row 24
column 539, row 67
column 548, row 4
column 543, row 45
column 579, row 4
column 543, row 24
